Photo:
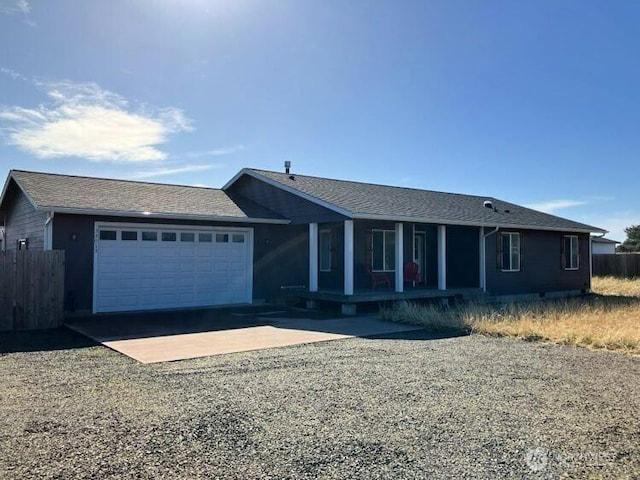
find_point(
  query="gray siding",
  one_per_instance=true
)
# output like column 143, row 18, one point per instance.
column 22, row 220
column 463, row 257
column 290, row 206
column 541, row 266
column 281, row 255
column 431, row 274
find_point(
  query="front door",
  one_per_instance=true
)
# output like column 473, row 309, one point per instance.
column 419, row 247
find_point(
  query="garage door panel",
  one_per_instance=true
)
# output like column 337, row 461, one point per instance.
column 148, row 268
column 117, row 284
column 185, row 267
column 129, row 267
column 108, row 267
column 117, row 302
column 167, row 268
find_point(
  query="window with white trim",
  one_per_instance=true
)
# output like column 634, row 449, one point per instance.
column 383, row 250
column 324, row 247
column 510, row 252
column 570, row 252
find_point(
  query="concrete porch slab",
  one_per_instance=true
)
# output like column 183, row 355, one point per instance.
column 164, row 345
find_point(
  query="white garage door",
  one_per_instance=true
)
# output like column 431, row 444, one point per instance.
column 142, row 268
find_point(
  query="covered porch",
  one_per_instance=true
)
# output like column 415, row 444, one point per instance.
column 364, row 260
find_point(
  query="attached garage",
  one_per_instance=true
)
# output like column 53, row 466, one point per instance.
column 148, row 267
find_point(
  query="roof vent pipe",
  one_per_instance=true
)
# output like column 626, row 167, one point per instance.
column 488, row 203
column 287, row 166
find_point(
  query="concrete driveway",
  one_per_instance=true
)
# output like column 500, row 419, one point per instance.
column 165, row 337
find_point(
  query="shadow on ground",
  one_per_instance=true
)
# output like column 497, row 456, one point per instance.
column 91, row 331
column 43, row 340
column 127, row 326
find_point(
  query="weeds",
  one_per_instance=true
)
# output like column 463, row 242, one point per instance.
column 608, row 320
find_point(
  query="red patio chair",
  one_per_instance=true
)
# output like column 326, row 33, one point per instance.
column 412, row 273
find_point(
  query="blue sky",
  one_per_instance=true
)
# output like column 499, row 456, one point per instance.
column 535, row 102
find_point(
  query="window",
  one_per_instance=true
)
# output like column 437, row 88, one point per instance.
column 324, row 248
column 570, row 252
column 129, row 235
column 383, row 250
column 187, row 237
column 510, row 254
column 205, row 237
column 107, row 234
column 238, row 238
column 222, row 238
column 169, row 236
column 149, row 236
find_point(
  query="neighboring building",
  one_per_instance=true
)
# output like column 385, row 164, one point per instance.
column 601, row 245
column 140, row 246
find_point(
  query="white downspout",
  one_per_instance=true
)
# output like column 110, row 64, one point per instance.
column 48, row 231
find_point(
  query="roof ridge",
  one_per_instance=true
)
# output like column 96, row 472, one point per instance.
column 486, row 197
column 112, row 179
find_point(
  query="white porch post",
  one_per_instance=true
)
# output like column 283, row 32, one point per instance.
column 590, row 260
column 399, row 257
column 483, row 261
column 442, row 257
column 348, row 257
column 313, row 257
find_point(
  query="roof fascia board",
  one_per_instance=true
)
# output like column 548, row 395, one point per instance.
column 286, row 188
column 235, row 178
column 24, row 191
column 471, row 224
column 126, row 213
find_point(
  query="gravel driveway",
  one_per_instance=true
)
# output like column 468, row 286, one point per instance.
column 405, row 406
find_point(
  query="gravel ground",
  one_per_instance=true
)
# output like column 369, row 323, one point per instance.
column 405, row 406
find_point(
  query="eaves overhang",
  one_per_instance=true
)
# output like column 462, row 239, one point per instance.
column 167, row 215
column 501, row 225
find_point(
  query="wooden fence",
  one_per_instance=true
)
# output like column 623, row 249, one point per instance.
column 623, row 265
column 31, row 289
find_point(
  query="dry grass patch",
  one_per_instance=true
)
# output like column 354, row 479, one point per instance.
column 629, row 287
column 609, row 320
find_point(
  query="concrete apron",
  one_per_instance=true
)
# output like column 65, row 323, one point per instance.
column 162, row 347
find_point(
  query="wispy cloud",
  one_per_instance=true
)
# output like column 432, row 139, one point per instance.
column 555, row 205
column 84, row 120
column 164, row 172
column 217, row 152
column 12, row 73
column 14, row 6
column 21, row 7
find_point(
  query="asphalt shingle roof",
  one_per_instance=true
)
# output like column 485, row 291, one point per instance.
column 604, row 240
column 365, row 199
column 66, row 192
